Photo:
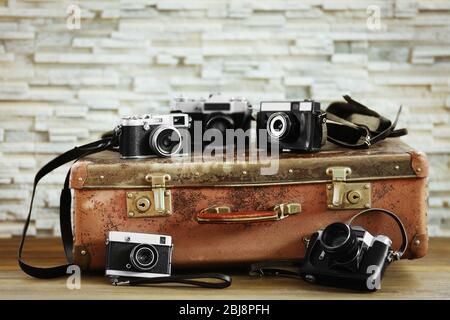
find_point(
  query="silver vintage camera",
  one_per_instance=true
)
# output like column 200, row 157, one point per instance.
column 140, row 255
column 215, row 112
column 152, row 135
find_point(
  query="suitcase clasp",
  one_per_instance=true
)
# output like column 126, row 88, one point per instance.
column 153, row 203
column 345, row 195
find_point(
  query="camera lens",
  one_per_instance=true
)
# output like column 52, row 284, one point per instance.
column 339, row 240
column 144, row 257
column 165, row 141
column 220, row 122
column 278, row 125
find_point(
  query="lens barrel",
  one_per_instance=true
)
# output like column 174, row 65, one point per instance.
column 339, row 241
column 165, row 140
column 144, row 257
column 278, row 125
column 220, row 122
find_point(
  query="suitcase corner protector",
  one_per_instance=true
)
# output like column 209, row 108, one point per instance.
column 419, row 163
column 82, row 257
column 78, row 175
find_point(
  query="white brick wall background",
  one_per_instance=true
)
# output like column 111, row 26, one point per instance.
column 62, row 87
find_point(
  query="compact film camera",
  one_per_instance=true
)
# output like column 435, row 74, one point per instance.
column 140, row 255
column 292, row 125
column 152, row 135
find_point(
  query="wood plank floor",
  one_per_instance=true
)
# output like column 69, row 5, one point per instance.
column 426, row 278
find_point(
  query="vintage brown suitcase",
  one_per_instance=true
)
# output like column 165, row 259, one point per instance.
column 228, row 213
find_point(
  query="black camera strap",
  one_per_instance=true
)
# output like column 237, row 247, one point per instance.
column 278, row 268
column 396, row 255
column 352, row 125
column 64, row 206
column 210, row 280
column 204, row 280
column 293, row 268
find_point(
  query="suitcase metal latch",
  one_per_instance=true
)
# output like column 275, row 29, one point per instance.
column 153, row 203
column 347, row 195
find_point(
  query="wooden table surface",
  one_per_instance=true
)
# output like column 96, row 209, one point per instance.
column 426, row 278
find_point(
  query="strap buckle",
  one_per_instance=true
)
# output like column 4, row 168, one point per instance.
column 394, row 255
column 116, row 282
column 118, row 131
column 367, row 141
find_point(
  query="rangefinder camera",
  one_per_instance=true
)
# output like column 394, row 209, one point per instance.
column 141, row 255
column 292, row 125
column 215, row 112
column 344, row 256
column 152, row 135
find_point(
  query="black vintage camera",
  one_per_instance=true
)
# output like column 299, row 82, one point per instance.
column 152, row 135
column 341, row 255
column 345, row 256
column 140, row 255
column 215, row 112
column 293, row 125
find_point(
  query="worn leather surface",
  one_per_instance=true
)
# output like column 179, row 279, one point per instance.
column 387, row 159
column 98, row 211
column 397, row 174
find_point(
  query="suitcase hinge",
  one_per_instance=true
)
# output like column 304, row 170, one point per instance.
column 157, row 202
column 345, row 195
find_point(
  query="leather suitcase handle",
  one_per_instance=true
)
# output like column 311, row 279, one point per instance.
column 224, row 214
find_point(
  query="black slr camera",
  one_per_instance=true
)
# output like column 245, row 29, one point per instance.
column 215, row 112
column 293, row 125
column 152, row 135
column 140, row 255
column 344, row 256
